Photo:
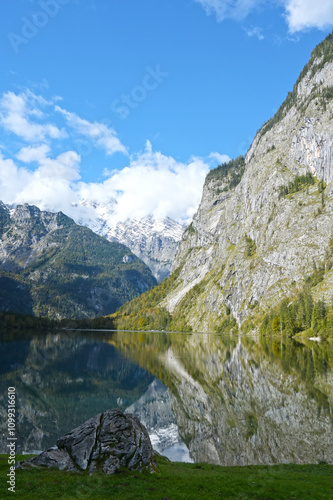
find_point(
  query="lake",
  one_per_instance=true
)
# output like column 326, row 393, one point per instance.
column 221, row 399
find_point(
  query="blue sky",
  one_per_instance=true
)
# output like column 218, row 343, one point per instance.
column 133, row 101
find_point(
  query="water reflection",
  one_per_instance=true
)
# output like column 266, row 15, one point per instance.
column 219, row 399
column 61, row 381
column 241, row 401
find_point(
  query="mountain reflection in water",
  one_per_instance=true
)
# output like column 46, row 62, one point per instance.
column 203, row 397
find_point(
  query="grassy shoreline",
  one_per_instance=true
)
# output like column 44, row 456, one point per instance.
column 176, row 481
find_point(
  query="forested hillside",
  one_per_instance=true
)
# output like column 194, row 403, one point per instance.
column 52, row 267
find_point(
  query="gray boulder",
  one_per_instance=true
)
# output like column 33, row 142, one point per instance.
column 109, row 441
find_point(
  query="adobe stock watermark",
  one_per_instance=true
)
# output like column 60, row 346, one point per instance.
column 39, row 19
column 11, row 445
column 127, row 102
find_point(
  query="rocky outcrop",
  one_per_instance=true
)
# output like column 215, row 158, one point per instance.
column 107, row 442
column 312, row 146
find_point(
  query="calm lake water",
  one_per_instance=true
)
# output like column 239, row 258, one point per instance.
column 203, row 397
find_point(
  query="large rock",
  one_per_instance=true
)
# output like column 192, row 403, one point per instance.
column 109, row 441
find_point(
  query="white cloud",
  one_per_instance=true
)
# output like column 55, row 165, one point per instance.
column 65, row 166
column 299, row 14
column 255, row 32
column 99, row 133
column 23, row 114
column 219, row 158
column 229, row 9
column 12, row 179
column 152, row 184
column 305, row 14
column 16, row 112
column 29, row 154
column 51, row 186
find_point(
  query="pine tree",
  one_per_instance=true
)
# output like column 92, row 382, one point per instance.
column 318, row 315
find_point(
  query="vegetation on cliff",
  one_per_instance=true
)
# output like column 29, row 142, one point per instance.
column 229, row 173
column 320, row 55
column 297, row 184
column 146, row 313
column 299, row 314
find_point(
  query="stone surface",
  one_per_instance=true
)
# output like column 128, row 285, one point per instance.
column 107, row 442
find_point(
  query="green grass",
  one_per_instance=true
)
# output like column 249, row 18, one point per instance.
column 177, row 481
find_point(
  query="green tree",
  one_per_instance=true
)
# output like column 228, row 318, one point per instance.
column 318, row 314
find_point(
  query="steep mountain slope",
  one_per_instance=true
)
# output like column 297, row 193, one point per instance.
column 265, row 224
column 56, row 268
column 153, row 241
column 263, row 232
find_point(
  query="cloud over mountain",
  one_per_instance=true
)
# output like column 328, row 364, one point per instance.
column 152, row 184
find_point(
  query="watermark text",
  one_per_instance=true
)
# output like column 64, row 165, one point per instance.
column 11, row 445
column 126, row 102
column 31, row 26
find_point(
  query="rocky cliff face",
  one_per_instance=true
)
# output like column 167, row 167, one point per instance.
column 254, row 243
column 51, row 266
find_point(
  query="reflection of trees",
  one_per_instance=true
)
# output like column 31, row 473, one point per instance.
column 305, row 360
column 308, row 360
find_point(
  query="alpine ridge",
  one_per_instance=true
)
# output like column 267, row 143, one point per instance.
column 52, row 267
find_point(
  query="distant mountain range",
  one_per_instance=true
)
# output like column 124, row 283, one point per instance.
column 153, row 241
column 51, row 266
